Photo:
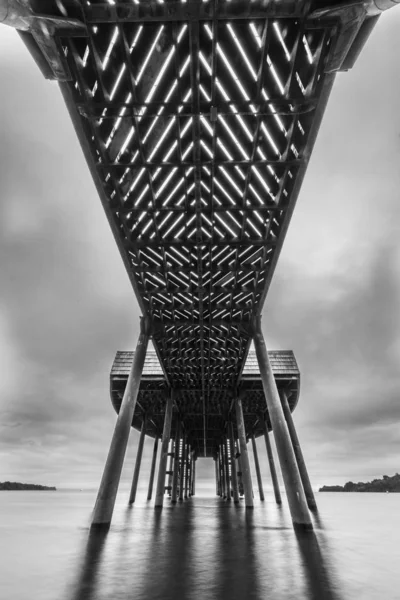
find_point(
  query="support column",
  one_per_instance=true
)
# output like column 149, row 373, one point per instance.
column 291, row 476
column 107, row 493
column 170, row 467
column 227, row 475
column 138, row 462
column 164, row 451
column 221, row 471
column 244, row 456
column 258, row 472
column 239, row 470
column 187, row 470
column 235, row 487
column 312, row 505
column 217, row 490
column 271, row 462
column 153, row 468
column 194, row 476
column 174, row 492
column 182, row 469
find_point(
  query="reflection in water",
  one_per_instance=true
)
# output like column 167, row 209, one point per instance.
column 205, row 548
column 87, row 582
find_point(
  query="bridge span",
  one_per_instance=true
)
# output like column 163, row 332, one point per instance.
column 197, row 120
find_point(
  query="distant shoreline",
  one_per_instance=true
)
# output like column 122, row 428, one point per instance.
column 386, row 485
column 12, row 486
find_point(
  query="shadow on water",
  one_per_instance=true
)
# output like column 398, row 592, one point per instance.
column 317, row 567
column 87, row 579
column 205, row 550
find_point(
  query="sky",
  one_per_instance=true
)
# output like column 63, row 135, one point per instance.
column 66, row 304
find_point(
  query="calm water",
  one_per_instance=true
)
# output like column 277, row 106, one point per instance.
column 203, row 549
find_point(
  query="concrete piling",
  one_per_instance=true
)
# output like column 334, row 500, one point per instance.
column 244, row 457
column 153, row 468
column 107, row 493
column 312, row 505
column 291, row 477
column 164, row 451
column 271, row 462
column 258, row 471
column 138, row 463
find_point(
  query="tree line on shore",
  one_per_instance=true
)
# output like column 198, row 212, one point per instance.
column 386, row 484
column 14, row 485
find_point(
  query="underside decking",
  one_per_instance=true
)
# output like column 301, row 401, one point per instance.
column 188, row 403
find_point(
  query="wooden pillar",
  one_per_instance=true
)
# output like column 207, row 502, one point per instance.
column 174, row 492
column 138, row 462
column 187, row 470
column 298, row 453
column 153, row 468
column 227, row 474
column 107, row 493
column 258, row 472
column 162, row 467
column 182, row 469
column 234, row 477
column 244, row 456
column 271, row 462
column 291, row 476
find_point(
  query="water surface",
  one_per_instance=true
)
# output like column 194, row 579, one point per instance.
column 202, row 549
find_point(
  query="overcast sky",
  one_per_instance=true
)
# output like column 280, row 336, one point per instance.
column 66, row 304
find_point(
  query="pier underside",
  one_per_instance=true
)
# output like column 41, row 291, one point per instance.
column 153, row 391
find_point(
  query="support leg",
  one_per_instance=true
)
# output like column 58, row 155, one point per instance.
column 227, row 474
column 175, row 476
column 182, row 469
column 271, row 462
column 258, row 471
column 106, row 496
column 164, row 452
column 194, row 476
column 235, row 487
column 187, row 470
column 239, row 469
column 291, row 477
column 312, row 505
column 217, row 490
column 138, row 462
column 170, row 467
column 244, row 457
column 153, row 468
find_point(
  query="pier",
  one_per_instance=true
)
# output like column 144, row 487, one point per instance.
column 197, row 120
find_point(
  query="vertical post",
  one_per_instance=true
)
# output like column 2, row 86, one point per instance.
column 217, row 485
column 190, row 474
column 182, row 469
column 194, row 476
column 291, row 477
column 298, row 453
column 244, row 457
column 107, row 493
column 271, row 462
column 258, row 472
column 234, row 477
column 239, row 471
column 221, row 471
column 138, row 462
column 174, row 492
column 227, row 475
column 162, row 467
column 170, row 466
column 153, row 468
column 187, row 470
